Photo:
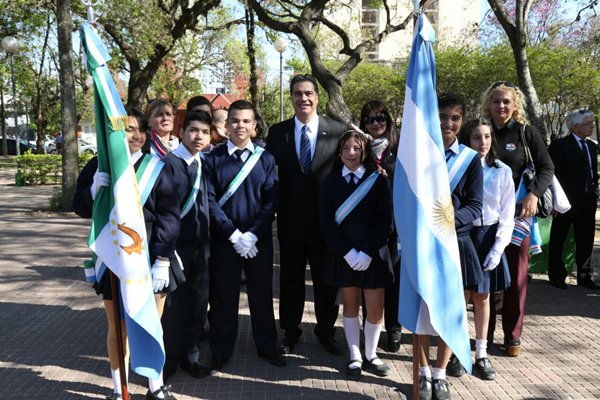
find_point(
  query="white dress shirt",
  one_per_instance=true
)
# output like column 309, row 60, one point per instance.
column 183, row 153
column 498, row 202
column 360, row 171
column 231, row 148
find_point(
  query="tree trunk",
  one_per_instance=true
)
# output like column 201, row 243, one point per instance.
column 252, row 57
column 67, row 103
column 139, row 81
column 533, row 106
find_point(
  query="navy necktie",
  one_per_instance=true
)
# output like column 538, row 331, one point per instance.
column 305, row 159
column 352, row 179
column 449, row 154
column 238, row 154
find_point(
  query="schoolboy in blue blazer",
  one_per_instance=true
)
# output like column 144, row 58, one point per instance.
column 241, row 237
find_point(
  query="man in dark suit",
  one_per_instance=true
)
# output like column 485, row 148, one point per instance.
column 576, row 167
column 304, row 149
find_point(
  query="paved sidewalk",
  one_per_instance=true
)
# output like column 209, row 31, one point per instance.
column 52, row 332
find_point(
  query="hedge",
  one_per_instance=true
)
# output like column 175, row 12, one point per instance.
column 42, row 169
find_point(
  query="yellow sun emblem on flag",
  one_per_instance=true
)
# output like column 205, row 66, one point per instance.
column 443, row 216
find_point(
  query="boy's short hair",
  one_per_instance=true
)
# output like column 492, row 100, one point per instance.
column 199, row 116
column 240, row 105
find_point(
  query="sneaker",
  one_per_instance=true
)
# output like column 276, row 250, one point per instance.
column 484, row 369
column 455, row 368
column 425, row 388
column 441, row 389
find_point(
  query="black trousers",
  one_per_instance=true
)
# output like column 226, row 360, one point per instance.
column 185, row 311
column 225, row 276
column 293, row 258
column 583, row 219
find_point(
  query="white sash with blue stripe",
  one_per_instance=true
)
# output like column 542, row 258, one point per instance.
column 241, row 176
column 147, row 174
column 352, row 201
column 189, row 203
column 458, row 164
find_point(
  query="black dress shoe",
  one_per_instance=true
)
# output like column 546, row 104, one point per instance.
column 115, row 396
column 513, row 347
column 441, row 389
column 196, row 370
column 425, row 388
column 484, row 369
column 287, row 344
column 455, row 368
column 586, row 281
column 331, row 345
column 353, row 373
column 558, row 283
column 376, row 369
column 216, row 365
column 274, row 359
column 164, row 390
column 393, row 341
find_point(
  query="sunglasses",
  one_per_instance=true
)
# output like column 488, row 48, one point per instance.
column 505, row 83
column 374, row 118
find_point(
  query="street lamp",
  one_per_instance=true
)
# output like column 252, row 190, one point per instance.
column 11, row 45
column 281, row 46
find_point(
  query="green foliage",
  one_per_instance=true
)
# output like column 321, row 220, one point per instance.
column 42, row 169
column 376, row 82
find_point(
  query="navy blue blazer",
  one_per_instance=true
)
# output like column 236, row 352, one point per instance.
column 195, row 226
column 367, row 227
column 160, row 210
column 467, row 198
column 253, row 205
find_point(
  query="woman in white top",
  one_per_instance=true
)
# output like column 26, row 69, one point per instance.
column 490, row 234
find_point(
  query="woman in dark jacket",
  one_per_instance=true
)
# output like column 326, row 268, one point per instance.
column 503, row 104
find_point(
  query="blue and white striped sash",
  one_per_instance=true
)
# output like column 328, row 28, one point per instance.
column 147, row 174
column 242, row 175
column 458, row 164
column 352, row 201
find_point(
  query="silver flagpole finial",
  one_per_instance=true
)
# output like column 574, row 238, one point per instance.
column 90, row 10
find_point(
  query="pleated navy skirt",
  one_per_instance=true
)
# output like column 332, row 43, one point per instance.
column 497, row 279
column 472, row 272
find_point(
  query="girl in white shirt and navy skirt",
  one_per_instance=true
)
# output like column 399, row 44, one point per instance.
column 490, row 234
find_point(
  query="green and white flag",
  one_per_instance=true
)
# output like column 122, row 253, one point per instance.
column 118, row 234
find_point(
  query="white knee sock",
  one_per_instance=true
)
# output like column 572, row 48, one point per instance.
column 372, row 332
column 480, row 348
column 156, row 384
column 116, row 378
column 352, row 332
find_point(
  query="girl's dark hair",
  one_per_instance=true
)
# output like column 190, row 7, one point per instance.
column 262, row 129
column 467, row 131
column 368, row 160
column 378, row 107
column 139, row 116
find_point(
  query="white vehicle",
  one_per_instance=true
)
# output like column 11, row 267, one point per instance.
column 86, row 147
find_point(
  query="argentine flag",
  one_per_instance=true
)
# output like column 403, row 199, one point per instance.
column 431, row 291
column 118, row 234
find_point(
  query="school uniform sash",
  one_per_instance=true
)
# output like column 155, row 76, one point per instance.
column 242, row 175
column 147, row 174
column 189, row 203
column 352, row 201
column 458, row 163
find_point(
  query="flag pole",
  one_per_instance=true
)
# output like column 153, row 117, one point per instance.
column 415, row 338
column 114, row 288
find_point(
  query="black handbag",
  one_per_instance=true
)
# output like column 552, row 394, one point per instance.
column 545, row 204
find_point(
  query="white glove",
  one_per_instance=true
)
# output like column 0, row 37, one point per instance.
column 160, row 274
column 100, row 179
column 350, row 257
column 363, row 261
column 235, row 236
column 491, row 260
column 252, row 252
